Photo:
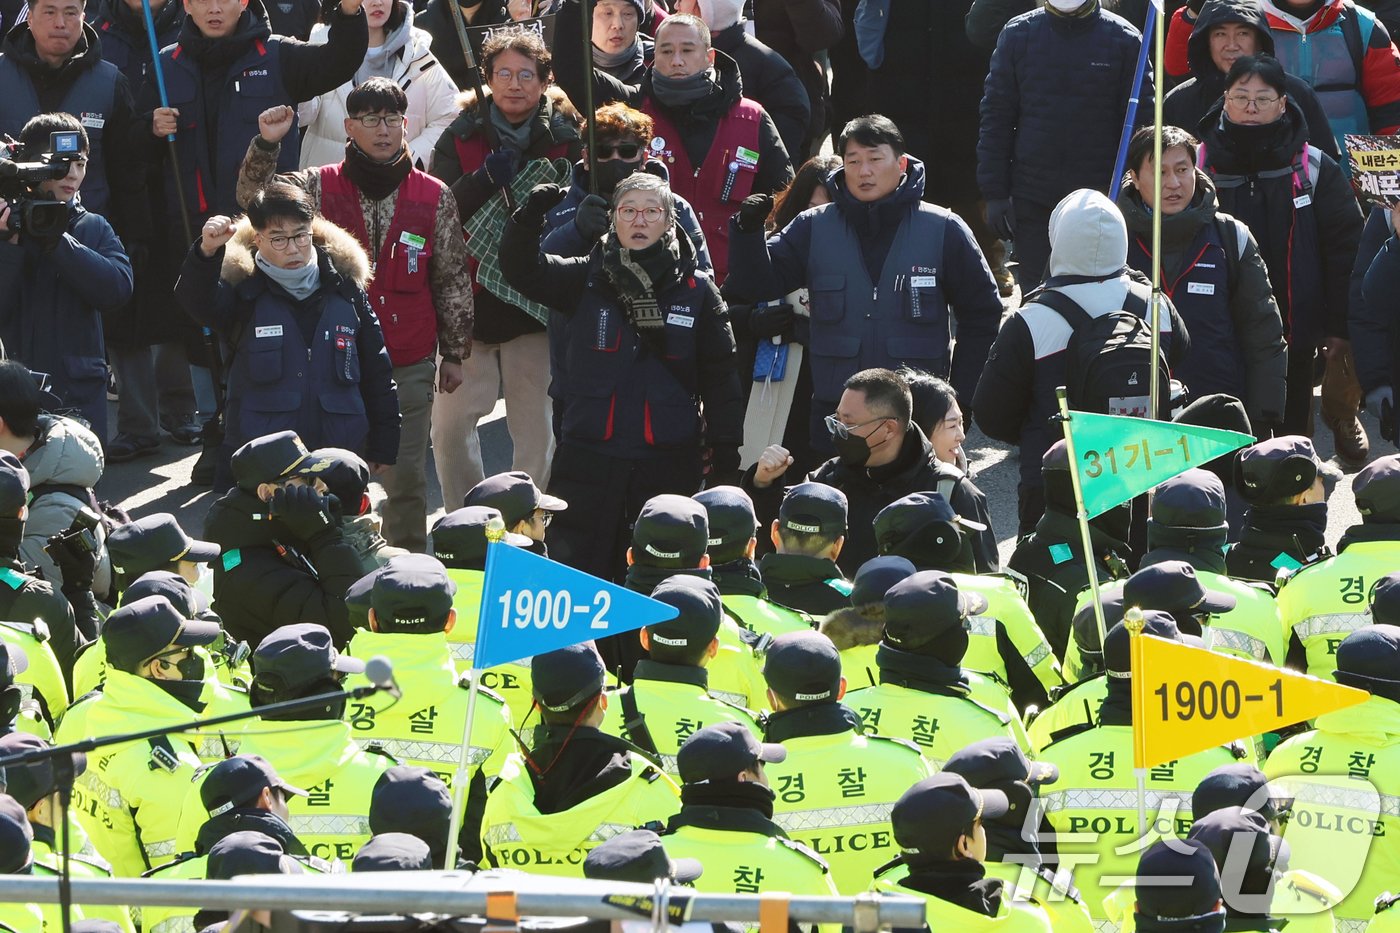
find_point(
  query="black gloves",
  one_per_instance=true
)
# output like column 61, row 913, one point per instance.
column 1001, row 219
column 304, row 512
column 537, row 203
column 500, row 167
column 592, row 217
column 753, row 213
column 772, row 320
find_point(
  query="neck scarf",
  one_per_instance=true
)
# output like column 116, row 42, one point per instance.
column 516, row 137
column 299, row 283
column 377, row 180
column 638, row 276
column 920, row 672
column 606, row 60
column 679, row 92
column 379, row 59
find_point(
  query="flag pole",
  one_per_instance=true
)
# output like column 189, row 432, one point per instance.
column 1134, row 622
column 1080, row 512
column 495, row 531
column 1158, row 14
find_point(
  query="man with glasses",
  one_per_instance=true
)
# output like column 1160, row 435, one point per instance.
column 421, row 291
column 527, row 511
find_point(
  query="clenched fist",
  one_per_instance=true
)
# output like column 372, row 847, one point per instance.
column 772, row 464
column 275, row 122
column 165, row 121
column 217, row 231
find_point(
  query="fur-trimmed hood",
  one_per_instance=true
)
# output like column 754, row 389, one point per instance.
column 347, row 257
column 847, row 629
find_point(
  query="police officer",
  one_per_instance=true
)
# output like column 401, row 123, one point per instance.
column 1076, row 704
column 668, row 699
column 413, row 801
column 16, row 858
column 857, row 629
column 835, row 787
column 733, row 541
column 1178, row 888
column 285, row 558
column 19, row 713
column 669, row 539
column 924, row 695
column 1051, row 557
column 1093, row 795
column 570, row 786
column 35, row 786
column 459, row 541
column 1013, row 839
column 157, row 542
column 1338, row 827
column 128, row 800
column 640, row 857
column 939, row 823
column 298, row 661
column 347, row 478
column 807, row 536
column 1322, row 603
column 726, row 819
column 246, row 853
column 527, row 511
column 1286, row 486
column 393, row 852
column 1006, row 641
column 410, row 615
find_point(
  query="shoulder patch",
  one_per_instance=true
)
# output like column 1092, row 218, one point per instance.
column 840, row 585
column 232, row 558
column 12, row 578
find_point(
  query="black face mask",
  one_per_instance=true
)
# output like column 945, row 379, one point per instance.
column 186, row 691
column 11, row 534
column 612, row 171
column 191, row 668
column 853, row 450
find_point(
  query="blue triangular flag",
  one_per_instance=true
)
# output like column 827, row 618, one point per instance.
column 531, row 604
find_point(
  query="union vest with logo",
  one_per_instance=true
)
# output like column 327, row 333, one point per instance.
column 90, row 99
column 905, row 319
column 399, row 293
column 715, row 187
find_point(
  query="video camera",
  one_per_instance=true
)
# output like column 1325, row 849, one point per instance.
column 19, row 182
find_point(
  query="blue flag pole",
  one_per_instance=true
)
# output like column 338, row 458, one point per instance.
column 1130, row 118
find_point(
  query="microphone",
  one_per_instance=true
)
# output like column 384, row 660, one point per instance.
column 380, row 672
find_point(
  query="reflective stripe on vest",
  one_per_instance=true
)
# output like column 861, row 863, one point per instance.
column 440, row 752
column 1329, row 795
column 506, row 832
column 304, row 824
column 1332, row 623
column 1238, row 641
column 1111, row 799
column 833, row 817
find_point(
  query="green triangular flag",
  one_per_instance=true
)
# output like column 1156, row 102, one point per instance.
column 1121, row 457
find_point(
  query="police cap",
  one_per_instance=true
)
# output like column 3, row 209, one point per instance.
column 1172, row 586
column 1236, row 785
column 700, row 612
column 239, row 781
column 925, row 516
column 459, row 537
column 34, row 780
column 1085, row 625
column 1385, row 600
column 152, row 542
column 671, row 532
column 638, row 856
column 14, row 485
column 921, row 609
column 733, row 524
column 1055, row 459
column 1194, row 499
column 515, row 495
column 346, row 476
column 1377, row 490
column 150, row 626
column 412, row 800
column 1237, row 828
column 929, row 817
column 359, row 599
column 1117, row 644
column 187, row 600
column 722, row 751
column 1177, row 879
column 13, row 662
column 876, row 576
column 1276, row 469
column 412, row 593
column 299, row 654
column 273, row 458
column 999, row 760
column 564, row 678
column 814, row 509
column 1217, row 411
column 803, row 666
column 1369, row 658
column 393, row 852
column 16, row 836
column 249, row 853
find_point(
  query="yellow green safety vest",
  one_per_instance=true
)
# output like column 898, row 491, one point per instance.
column 1387, row 919
column 1012, row 916
column 512, row 681
column 740, row 862
column 834, row 794
column 192, row 868
column 937, row 724
column 44, row 676
column 514, row 834
column 47, row 865
column 859, row 668
column 1078, row 705
column 765, row 616
column 1323, row 603
column 1050, row 892
column 1007, row 609
column 1300, row 897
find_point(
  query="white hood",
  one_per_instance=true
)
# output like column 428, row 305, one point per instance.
column 1087, row 236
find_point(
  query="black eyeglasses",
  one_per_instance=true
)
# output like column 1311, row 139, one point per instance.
column 626, row 151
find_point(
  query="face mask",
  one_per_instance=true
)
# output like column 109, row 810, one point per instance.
column 854, row 451
column 191, row 668
column 204, row 583
column 612, row 171
column 187, row 692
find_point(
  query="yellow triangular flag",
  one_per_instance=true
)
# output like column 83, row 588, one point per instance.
column 1188, row 699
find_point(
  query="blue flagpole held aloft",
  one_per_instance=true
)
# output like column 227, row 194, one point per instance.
column 155, row 56
column 1130, row 118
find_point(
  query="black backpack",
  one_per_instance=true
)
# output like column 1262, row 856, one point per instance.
column 1108, row 360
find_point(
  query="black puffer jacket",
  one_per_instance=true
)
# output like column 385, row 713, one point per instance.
column 1054, row 105
column 1188, row 103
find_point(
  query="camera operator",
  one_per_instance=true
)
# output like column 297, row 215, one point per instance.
column 59, row 274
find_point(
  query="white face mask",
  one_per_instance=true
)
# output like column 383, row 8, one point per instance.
column 1066, row 6
column 205, row 582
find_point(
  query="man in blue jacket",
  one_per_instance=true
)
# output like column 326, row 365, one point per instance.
column 54, row 289
column 1052, row 114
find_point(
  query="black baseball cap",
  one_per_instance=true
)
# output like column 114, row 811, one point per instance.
column 346, row 476
column 1085, row 625
column 921, row 609
column 1177, row 878
column 1385, row 600
column 1172, row 586
column 1194, row 499
column 33, row 781
column 876, row 576
column 671, row 532
column 1369, row 658
column 412, row 592
column 999, row 760
column 929, row 817
column 151, row 626
column 359, row 598
column 515, row 495
column 154, row 541
column 814, row 508
column 733, row 523
column 803, row 666
column 700, row 612
column 638, row 856
column 564, row 678
column 236, row 782
column 1276, row 468
column 187, row 600
column 720, row 752
column 16, row 837
column 919, row 512
column 14, row 485
column 274, row 458
column 1055, row 458
column 300, row 654
column 1232, row 828
column 459, row 537
column 393, row 852
column 249, row 853
column 413, row 800
column 1117, row 654
column 1377, row 490
column 1237, row 785
column 13, row 662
